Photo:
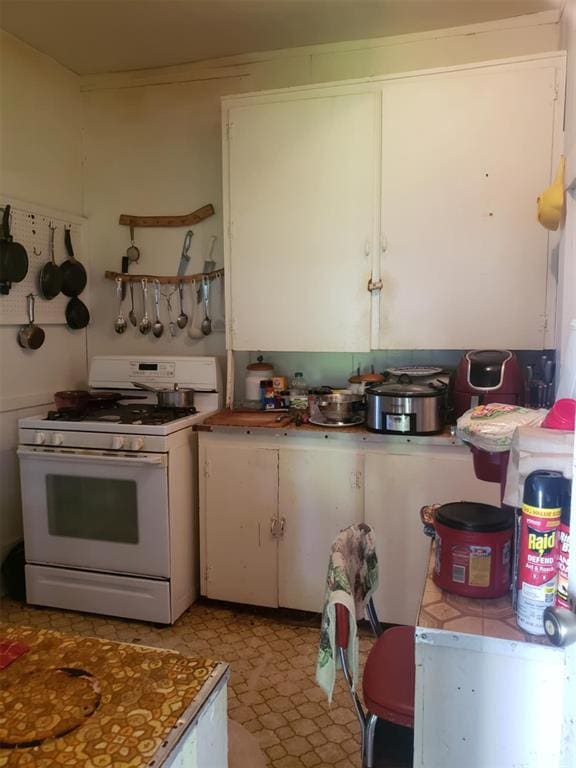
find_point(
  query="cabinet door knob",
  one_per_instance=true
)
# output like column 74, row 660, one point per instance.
column 273, row 527
column 282, row 526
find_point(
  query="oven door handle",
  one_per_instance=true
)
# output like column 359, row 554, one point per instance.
column 94, row 457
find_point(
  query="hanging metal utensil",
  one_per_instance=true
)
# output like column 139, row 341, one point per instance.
column 206, row 324
column 120, row 322
column 77, row 314
column 132, row 314
column 50, row 274
column 13, row 256
column 158, row 326
column 133, row 252
column 31, row 336
column 145, row 323
column 182, row 319
column 73, row 273
column 185, row 256
column 209, row 263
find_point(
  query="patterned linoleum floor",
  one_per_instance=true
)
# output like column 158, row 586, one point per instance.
column 272, row 692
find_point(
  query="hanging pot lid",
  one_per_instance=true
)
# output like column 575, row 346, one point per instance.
column 399, row 389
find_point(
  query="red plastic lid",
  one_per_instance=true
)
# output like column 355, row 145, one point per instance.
column 562, row 415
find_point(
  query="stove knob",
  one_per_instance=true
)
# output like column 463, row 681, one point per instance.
column 117, row 442
column 57, row 438
column 39, row 438
column 137, row 444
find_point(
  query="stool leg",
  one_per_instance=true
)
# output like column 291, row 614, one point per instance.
column 368, row 741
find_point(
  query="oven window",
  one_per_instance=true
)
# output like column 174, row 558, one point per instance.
column 92, row 508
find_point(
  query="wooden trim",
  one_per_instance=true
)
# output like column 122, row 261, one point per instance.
column 185, row 220
column 175, row 279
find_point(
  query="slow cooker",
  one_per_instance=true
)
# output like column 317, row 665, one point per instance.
column 406, row 408
column 473, row 545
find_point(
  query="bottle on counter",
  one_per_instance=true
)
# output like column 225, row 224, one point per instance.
column 298, row 392
column 538, row 561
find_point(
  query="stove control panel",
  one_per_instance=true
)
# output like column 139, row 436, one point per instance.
column 161, row 370
column 68, row 440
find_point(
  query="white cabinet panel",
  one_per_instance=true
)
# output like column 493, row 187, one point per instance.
column 321, row 491
column 238, row 501
column 464, row 156
column 302, row 208
column 396, row 487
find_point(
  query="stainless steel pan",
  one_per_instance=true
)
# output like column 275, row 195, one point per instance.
column 177, row 397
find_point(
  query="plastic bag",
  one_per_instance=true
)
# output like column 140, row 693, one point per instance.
column 491, row 427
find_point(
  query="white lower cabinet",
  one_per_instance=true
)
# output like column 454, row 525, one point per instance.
column 397, row 485
column 320, row 491
column 239, row 509
column 270, row 507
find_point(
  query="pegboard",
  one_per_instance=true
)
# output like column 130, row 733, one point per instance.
column 29, row 226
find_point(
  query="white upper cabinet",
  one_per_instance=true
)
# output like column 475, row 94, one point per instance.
column 301, row 175
column 425, row 182
column 464, row 156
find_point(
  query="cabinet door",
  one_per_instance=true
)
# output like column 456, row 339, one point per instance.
column 302, row 209
column 238, row 505
column 464, row 157
column 320, row 492
column 396, row 487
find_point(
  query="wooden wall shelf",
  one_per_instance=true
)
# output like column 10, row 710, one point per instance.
column 174, row 279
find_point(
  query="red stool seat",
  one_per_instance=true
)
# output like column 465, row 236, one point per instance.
column 389, row 677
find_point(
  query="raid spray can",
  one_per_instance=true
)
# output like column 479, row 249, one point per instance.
column 563, row 545
column 538, row 561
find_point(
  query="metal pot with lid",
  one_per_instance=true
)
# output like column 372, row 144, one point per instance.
column 174, row 397
column 405, row 408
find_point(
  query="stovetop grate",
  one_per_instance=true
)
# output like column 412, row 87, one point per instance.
column 122, row 414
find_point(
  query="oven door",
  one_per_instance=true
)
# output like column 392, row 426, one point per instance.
column 90, row 509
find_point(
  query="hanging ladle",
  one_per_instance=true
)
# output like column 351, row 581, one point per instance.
column 158, row 327
column 182, row 319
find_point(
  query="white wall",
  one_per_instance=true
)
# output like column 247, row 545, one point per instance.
column 153, row 143
column 568, row 238
column 40, row 162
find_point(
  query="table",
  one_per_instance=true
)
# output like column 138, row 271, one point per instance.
column 88, row 702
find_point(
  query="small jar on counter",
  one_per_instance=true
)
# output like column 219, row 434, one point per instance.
column 267, row 394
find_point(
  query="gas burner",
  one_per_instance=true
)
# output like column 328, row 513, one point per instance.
column 122, row 414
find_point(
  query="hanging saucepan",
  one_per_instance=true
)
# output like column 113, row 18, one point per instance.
column 31, row 336
column 175, row 397
column 50, row 274
column 73, row 272
column 13, row 256
column 77, row 314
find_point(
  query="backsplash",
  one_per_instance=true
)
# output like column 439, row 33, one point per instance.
column 334, row 368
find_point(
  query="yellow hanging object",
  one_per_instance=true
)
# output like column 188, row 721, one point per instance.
column 551, row 201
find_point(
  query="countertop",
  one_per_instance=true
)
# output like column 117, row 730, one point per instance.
column 69, row 699
column 228, row 419
column 473, row 616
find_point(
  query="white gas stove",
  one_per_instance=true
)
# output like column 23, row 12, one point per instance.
column 109, row 492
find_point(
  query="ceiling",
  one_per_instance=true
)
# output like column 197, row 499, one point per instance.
column 97, row 36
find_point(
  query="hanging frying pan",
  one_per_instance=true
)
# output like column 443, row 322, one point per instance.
column 77, row 314
column 50, row 274
column 73, row 272
column 13, row 256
